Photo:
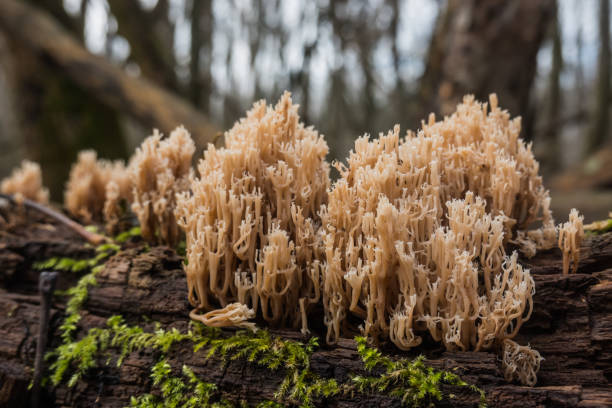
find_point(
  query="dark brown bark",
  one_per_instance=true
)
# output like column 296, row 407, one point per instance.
column 600, row 123
column 150, row 40
column 147, row 103
column 484, row 46
column 571, row 327
column 551, row 141
column 200, row 87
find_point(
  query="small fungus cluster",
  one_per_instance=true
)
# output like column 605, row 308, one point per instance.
column 520, row 362
column 26, row 182
column 95, row 187
column 570, row 237
column 160, row 170
column 101, row 190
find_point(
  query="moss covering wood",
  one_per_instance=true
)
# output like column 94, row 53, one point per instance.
column 72, row 360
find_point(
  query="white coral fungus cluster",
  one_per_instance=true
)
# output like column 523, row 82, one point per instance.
column 26, row 182
column 410, row 241
column 99, row 189
column 159, row 170
column 95, row 187
column 570, row 237
column 251, row 218
column 415, row 232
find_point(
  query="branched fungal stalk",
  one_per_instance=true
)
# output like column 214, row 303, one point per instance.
column 570, row 238
column 160, row 169
column 251, row 218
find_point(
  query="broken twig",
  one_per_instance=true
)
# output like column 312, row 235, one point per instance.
column 91, row 237
column 46, row 285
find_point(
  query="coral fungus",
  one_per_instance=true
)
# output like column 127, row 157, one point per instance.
column 570, row 237
column 233, row 315
column 411, row 240
column 520, row 362
column 160, row 169
column 415, row 232
column 95, row 187
column 26, row 182
column 251, row 218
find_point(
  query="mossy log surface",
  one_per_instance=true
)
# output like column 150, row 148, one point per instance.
column 571, row 327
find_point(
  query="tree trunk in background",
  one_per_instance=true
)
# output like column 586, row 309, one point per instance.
column 600, row 124
column 201, row 51
column 551, row 140
column 485, row 46
column 12, row 146
column 91, row 89
column 195, row 88
column 58, row 118
column 150, row 37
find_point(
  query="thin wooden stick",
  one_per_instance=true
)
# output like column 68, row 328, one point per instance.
column 91, row 237
column 46, row 285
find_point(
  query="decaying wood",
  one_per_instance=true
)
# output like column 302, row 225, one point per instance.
column 571, row 327
column 146, row 102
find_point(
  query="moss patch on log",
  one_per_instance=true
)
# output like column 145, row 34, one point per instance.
column 412, row 381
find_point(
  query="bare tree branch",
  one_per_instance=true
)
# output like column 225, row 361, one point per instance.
column 147, row 103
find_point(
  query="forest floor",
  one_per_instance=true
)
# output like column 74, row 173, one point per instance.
column 571, row 327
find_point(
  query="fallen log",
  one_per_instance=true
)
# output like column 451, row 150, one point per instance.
column 571, row 327
column 146, row 102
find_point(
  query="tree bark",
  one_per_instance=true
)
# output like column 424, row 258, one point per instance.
column 147, row 103
column 600, row 125
column 571, row 327
column 150, row 45
column 551, row 140
column 484, row 46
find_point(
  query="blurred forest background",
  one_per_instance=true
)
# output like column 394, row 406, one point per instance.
column 100, row 74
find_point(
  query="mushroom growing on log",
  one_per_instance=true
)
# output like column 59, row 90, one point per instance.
column 571, row 326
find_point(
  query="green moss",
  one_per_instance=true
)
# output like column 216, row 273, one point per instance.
column 176, row 393
column 87, row 348
column 299, row 385
column 411, row 380
column 102, row 252
column 599, row 227
column 126, row 235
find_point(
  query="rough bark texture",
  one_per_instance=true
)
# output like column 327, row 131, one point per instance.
column 571, row 327
column 137, row 97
